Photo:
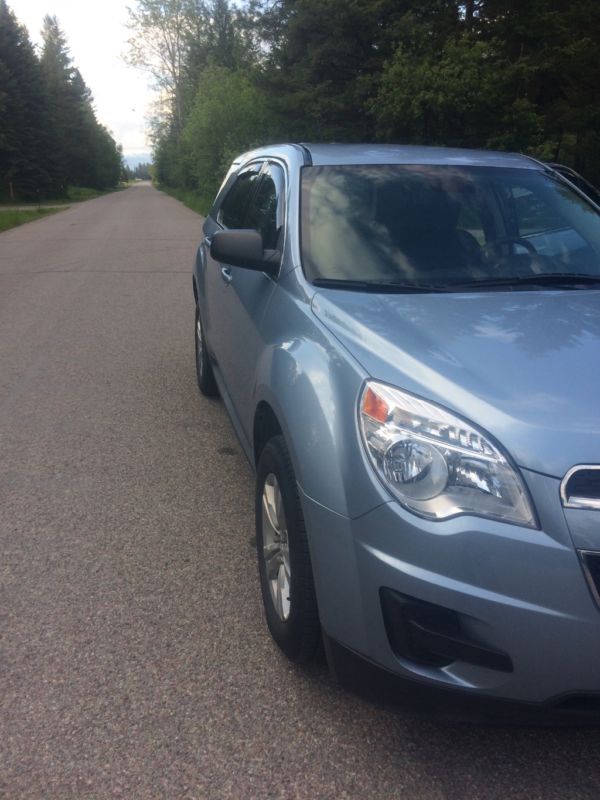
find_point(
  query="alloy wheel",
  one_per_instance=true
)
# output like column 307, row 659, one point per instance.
column 276, row 552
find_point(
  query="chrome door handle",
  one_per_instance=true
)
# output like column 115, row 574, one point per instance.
column 226, row 274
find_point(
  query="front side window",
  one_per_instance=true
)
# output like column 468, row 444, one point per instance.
column 266, row 208
column 235, row 205
column 443, row 225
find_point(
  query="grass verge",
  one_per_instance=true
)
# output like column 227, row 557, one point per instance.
column 198, row 203
column 75, row 194
column 10, row 218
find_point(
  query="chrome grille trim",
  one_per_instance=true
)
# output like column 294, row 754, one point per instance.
column 573, row 501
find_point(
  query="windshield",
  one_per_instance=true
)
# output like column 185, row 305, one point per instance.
column 444, row 226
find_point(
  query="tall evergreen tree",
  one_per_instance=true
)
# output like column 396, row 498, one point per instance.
column 86, row 153
column 68, row 97
column 322, row 60
column 27, row 167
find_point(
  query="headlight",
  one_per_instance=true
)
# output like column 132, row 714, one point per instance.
column 438, row 465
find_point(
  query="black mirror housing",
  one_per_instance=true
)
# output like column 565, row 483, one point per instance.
column 244, row 248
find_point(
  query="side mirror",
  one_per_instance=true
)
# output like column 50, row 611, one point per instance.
column 244, row 248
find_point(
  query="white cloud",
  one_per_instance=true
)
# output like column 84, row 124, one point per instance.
column 97, row 38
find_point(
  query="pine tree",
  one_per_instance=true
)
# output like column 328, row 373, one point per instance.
column 323, row 59
column 67, row 107
column 27, row 167
column 86, row 153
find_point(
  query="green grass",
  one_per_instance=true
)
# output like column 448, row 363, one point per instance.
column 75, row 194
column 193, row 200
column 11, row 218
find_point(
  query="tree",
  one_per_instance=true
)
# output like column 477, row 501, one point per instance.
column 230, row 115
column 27, row 165
column 186, row 44
column 551, row 46
column 451, row 99
column 322, row 59
column 68, row 97
column 142, row 171
column 482, row 73
column 86, row 153
column 219, row 41
column 163, row 32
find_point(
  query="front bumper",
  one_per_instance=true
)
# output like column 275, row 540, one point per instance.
column 394, row 692
column 517, row 592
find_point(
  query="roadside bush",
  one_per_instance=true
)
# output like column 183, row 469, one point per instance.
column 229, row 115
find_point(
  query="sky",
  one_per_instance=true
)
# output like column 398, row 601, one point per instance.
column 97, row 38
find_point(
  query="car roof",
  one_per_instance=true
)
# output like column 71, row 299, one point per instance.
column 338, row 154
column 332, row 154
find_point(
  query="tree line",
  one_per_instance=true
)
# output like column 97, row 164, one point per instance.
column 504, row 74
column 50, row 138
column 141, row 172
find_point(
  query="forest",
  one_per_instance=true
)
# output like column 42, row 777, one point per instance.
column 501, row 74
column 50, row 139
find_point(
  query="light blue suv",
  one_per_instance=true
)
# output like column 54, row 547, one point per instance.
column 407, row 341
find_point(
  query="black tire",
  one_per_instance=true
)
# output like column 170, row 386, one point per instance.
column 299, row 635
column 204, row 370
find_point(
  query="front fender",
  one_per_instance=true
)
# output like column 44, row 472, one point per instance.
column 313, row 385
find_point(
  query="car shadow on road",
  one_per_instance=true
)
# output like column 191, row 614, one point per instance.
column 471, row 757
column 475, row 761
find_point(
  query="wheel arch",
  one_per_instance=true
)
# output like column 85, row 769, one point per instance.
column 266, row 426
column 307, row 393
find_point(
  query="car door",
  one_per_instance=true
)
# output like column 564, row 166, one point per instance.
column 229, row 215
column 250, row 292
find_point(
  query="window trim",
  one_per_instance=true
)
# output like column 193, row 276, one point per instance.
column 245, row 168
column 264, row 162
column 284, row 210
column 282, row 197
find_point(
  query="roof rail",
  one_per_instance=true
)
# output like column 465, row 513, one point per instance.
column 307, row 155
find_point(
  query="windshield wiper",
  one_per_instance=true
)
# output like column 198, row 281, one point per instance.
column 376, row 286
column 559, row 279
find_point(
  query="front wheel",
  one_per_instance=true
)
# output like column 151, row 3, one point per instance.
column 204, row 370
column 284, row 564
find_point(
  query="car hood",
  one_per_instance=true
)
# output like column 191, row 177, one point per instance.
column 524, row 365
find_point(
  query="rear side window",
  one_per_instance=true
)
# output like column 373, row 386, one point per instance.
column 233, row 209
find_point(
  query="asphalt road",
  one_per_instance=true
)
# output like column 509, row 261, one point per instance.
column 134, row 658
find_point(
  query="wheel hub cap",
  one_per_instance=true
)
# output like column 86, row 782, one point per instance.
column 276, row 553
